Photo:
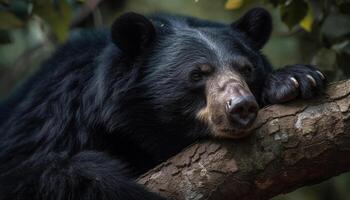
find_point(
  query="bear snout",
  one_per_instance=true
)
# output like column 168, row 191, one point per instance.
column 242, row 111
column 231, row 106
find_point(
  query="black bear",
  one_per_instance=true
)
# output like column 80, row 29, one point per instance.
column 109, row 105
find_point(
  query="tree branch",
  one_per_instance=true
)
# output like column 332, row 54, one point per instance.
column 292, row 145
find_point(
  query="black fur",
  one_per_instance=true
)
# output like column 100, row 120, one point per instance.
column 107, row 107
column 257, row 25
column 280, row 88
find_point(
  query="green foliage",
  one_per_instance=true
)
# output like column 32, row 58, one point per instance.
column 21, row 8
column 57, row 15
column 11, row 21
column 324, row 23
column 292, row 12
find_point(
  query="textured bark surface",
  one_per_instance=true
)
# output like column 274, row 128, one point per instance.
column 292, row 145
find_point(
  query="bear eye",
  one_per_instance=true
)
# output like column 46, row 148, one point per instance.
column 196, row 75
column 246, row 70
column 200, row 72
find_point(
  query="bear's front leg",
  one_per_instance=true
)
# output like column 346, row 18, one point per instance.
column 291, row 82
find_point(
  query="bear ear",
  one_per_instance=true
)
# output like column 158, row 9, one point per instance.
column 256, row 24
column 132, row 32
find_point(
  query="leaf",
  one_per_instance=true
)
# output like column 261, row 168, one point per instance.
column 233, row 4
column 22, row 9
column 306, row 23
column 336, row 27
column 11, row 20
column 293, row 11
column 57, row 16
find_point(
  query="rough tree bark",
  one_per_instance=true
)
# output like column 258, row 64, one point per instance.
column 292, row 145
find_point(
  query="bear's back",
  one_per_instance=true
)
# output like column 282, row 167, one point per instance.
column 86, row 44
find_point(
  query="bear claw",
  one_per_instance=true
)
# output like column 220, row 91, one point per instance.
column 312, row 80
column 306, row 81
column 296, row 83
column 320, row 73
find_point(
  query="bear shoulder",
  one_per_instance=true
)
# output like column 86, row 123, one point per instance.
column 79, row 50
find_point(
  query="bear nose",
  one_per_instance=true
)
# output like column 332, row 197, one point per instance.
column 242, row 111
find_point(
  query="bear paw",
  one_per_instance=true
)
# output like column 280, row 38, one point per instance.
column 291, row 82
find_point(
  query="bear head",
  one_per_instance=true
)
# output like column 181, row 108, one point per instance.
column 197, row 73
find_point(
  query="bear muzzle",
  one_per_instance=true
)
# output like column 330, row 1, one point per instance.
column 233, row 108
column 242, row 111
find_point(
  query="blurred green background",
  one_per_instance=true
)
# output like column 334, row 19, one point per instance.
column 305, row 31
